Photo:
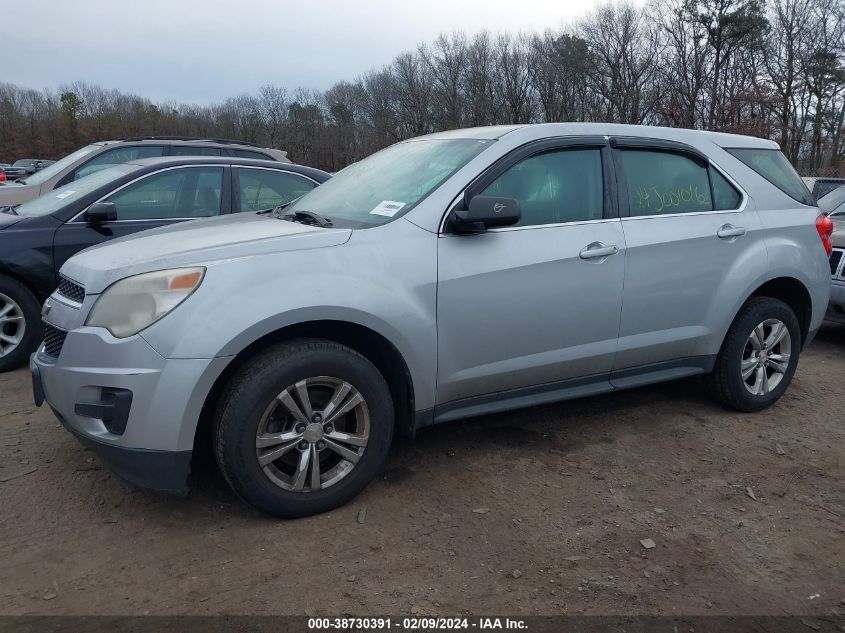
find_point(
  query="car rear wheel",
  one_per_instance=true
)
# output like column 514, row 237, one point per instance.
column 19, row 324
column 758, row 357
column 303, row 428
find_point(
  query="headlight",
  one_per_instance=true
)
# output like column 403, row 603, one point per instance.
column 129, row 305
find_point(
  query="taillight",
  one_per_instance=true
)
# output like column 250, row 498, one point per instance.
column 2, row 175
column 824, row 225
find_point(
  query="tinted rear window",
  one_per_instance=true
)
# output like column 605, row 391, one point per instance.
column 773, row 166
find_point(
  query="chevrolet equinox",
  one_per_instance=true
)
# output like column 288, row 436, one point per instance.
column 453, row 275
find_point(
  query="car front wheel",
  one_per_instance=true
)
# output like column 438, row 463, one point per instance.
column 758, row 357
column 303, row 428
column 19, row 324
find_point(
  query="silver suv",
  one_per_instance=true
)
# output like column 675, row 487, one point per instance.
column 97, row 156
column 448, row 276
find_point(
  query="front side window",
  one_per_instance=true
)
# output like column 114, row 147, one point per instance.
column 189, row 192
column 117, row 156
column 554, row 187
column 261, row 189
column 773, row 166
column 389, row 183
column 61, row 197
column 662, row 182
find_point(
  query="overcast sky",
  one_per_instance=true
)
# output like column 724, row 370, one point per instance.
column 207, row 50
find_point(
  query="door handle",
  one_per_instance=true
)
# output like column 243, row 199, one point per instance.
column 729, row 230
column 597, row 249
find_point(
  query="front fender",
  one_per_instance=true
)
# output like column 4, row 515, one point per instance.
column 242, row 300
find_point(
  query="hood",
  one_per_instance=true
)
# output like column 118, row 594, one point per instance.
column 197, row 242
column 7, row 220
column 16, row 193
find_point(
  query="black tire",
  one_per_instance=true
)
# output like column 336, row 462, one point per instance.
column 256, row 385
column 726, row 382
column 31, row 310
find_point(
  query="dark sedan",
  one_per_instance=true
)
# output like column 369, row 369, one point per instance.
column 38, row 236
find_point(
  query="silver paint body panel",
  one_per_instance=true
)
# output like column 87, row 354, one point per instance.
column 472, row 316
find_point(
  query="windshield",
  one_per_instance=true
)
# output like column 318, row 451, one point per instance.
column 389, row 183
column 51, row 170
column 58, row 198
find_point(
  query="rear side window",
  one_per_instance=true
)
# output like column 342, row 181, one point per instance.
column 661, row 182
column 664, row 182
column 773, row 166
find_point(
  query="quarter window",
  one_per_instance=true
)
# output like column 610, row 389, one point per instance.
column 725, row 195
column 190, row 192
column 265, row 188
column 554, row 187
column 116, row 157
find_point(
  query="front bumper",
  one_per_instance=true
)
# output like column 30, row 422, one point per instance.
column 836, row 308
column 137, row 410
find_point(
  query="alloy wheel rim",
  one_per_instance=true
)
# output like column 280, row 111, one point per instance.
column 765, row 357
column 313, row 434
column 12, row 325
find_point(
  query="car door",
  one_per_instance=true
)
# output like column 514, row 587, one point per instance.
column 686, row 225
column 261, row 188
column 535, row 305
column 165, row 197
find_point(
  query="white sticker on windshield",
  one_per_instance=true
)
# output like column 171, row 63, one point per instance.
column 387, row 208
column 65, row 194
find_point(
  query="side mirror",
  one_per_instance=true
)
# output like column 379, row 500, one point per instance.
column 486, row 212
column 100, row 212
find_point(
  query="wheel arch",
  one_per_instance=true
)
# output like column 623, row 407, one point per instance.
column 793, row 293
column 40, row 297
column 374, row 346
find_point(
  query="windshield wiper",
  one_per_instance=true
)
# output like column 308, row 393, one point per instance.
column 307, row 217
column 274, row 210
column 9, row 209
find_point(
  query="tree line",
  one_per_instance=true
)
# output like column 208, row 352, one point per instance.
column 771, row 69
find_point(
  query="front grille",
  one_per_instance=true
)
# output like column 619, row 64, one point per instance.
column 835, row 261
column 54, row 340
column 71, row 290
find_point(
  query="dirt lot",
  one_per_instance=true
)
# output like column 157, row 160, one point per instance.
column 534, row 512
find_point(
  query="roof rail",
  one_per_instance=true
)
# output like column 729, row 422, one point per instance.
column 223, row 141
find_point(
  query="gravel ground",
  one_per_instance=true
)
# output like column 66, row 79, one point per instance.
column 541, row 511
